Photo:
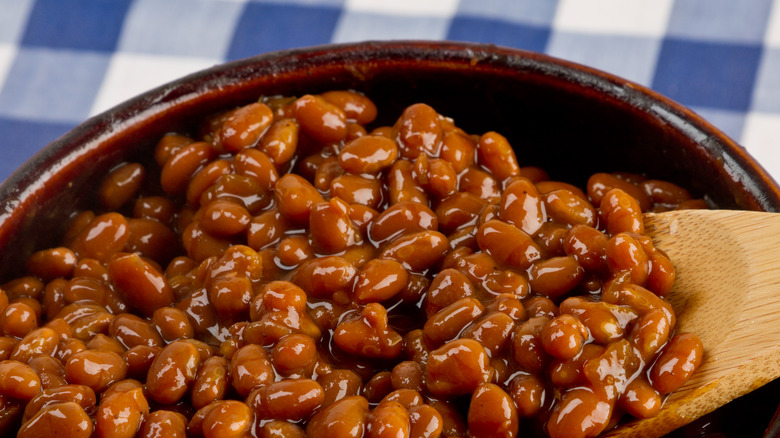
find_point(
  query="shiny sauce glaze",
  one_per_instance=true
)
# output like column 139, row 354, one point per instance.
column 287, row 271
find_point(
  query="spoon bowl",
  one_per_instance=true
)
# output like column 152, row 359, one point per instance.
column 726, row 291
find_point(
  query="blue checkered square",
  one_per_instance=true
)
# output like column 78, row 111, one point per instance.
column 707, row 74
column 13, row 16
column 76, row 24
column 535, row 12
column 265, row 27
column 22, row 139
column 361, row 26
column 198, row 28
column 53, row 86
column 484, row 30
column 631, row 57
column 742, row 21
column 766, row 96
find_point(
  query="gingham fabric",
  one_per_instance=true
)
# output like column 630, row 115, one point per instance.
column 64, row 60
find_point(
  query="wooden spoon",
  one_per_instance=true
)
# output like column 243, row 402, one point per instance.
column 728, row 293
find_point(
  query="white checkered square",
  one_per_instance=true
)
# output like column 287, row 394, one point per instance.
column 13, row 18
column 761, row 137
column 129, row 75
column 773, row 27
column 7, row 54
column 627, row 17
column 440, row 8
column 362, row 26
column 198, row 28
column 633, row 58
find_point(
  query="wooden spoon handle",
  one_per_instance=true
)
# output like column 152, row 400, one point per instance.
column 727, row 292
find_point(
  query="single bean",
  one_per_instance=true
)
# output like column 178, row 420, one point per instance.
column 508, row 244
column 289, row 399
column 49, row 264
column 172, row 372
column 355, row 106
column 457, row 367
column 492, row 413
column 227, row 419
column 343, row 419
column 677, row 362
column 65, row 420
column 19, row 380
column 495, row 153
column 368, row 334
column 244, row 126
column 249, row 368
column 320, row 119
column 521, row 205
column 379, row 280
column 447, row 323
column 164, row 424
column 97, row 369
column 556, row 276
column 418, row 131
column 368, row 154
column 121, row 184
column 389, row 419
column 182, row 165
column 143, row 286
column 280, row 141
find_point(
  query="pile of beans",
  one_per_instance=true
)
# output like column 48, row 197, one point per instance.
column 283, row 271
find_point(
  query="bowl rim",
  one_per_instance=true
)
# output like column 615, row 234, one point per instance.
column 31, row 177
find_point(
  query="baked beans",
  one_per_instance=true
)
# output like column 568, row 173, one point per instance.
column 290, row 268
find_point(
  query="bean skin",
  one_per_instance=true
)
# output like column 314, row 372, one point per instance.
column 521, row 206
column 368, row 154
column 457, row 367
column 492, row 413
column 418, row 130
column 249, row 368
column 244, row 126
column 121, row 184
column 379, row 280
column 66, row 420
column 417, row 251
column 356, row 106
column 164, row 424
column 172, row 372
column 586, row 415
column 343, row 419
column 210, row 382
column 19, row 380
column 295, row 197
column 677, row 362
column 291, row 399
column 227, row 419
column 507, row 244
column 400, row 218
column 97, row 369
column 142, row 285
column 106, row 235
column 320, row 119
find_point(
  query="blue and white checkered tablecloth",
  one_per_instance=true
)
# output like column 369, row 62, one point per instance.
column 64, row 60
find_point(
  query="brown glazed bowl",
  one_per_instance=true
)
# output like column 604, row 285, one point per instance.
column 568, row 119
